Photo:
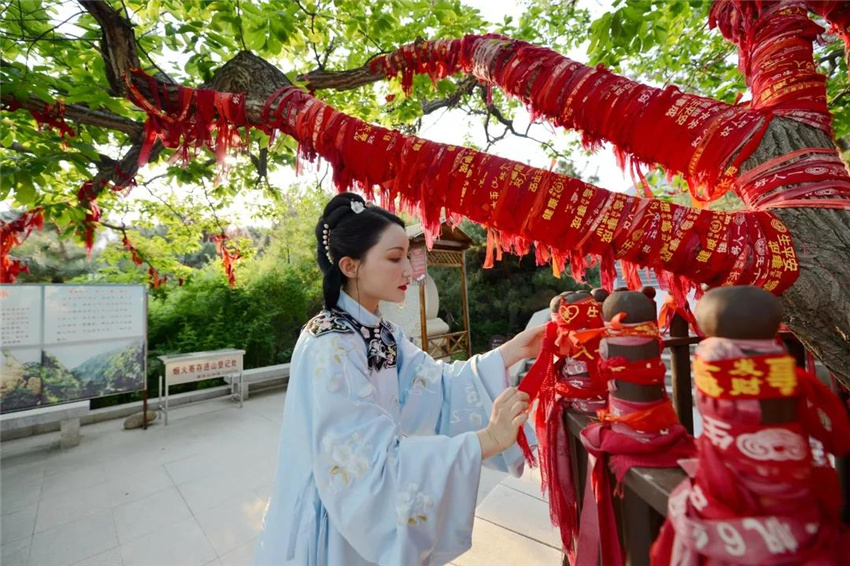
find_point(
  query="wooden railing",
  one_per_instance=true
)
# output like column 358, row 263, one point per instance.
column 643, row 507
column 444, row 346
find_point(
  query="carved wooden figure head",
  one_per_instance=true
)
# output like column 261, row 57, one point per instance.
column 746, row 313
column 637, row 308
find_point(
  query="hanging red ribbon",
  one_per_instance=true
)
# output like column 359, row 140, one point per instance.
column 228, row 258
column 13, row 234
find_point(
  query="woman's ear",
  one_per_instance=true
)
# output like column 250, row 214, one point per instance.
column 349, row 267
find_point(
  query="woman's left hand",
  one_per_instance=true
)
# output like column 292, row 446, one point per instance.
column 526, row 344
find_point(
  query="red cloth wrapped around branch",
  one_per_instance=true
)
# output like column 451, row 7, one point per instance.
column 646, row 434
column 566, row 218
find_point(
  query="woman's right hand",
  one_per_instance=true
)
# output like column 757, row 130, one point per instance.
column 510, row 411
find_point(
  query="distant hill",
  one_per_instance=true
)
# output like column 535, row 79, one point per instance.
column 33, row 384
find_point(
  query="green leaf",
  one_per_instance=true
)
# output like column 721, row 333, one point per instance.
column 25, row 193
column 255, row 38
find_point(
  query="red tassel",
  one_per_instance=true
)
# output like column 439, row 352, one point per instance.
column 488, row 260
column 533, row 381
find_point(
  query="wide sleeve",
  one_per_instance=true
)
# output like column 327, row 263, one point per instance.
column 453, row 398
column 396, row 500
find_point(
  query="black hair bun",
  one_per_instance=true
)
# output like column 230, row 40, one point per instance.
column 339, row 207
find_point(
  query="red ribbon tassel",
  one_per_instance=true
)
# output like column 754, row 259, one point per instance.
column 534, row 381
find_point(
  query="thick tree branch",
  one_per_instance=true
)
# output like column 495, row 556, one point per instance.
column 118, row 43
column 84, row 115
column 246, row 73
column 462, row 88
column 340, row 80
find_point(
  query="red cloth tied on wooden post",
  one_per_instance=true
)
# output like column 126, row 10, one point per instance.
column 758, row 493
column 646, row 434
column 572, row 339
column 580, row 330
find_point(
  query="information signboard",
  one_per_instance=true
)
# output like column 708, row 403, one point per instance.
column 63, row 343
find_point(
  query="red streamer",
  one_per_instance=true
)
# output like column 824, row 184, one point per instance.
column 13, row 234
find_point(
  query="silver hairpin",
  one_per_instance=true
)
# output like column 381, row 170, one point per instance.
column 326, row 241
column 357, row 206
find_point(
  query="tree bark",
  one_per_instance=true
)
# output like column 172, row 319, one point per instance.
column 118, row 43
column 817, row 305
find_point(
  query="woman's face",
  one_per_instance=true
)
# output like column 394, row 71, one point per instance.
column 385, row 271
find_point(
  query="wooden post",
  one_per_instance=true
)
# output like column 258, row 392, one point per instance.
column 465, row 304
column 423, row 334
column 680, row 366
column 641, row 524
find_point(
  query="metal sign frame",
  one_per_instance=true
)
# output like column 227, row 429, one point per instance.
column 208, row 365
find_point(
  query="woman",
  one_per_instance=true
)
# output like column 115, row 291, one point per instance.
column 381, row 446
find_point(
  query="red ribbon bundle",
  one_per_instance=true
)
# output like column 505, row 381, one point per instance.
column 574, row 332
column 553, row 447
column 52, row 116
column 187, row 122
column 759, row 494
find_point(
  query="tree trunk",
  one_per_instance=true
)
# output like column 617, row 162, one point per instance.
column 817, row 306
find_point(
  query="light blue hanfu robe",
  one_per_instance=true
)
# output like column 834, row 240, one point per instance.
column 379, row 462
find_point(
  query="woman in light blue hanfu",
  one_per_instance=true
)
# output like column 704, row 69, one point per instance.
column 381, row 446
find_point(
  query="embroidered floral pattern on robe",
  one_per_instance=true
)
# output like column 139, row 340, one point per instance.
column 413, row 506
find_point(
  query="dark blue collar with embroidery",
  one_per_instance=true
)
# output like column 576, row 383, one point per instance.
column 381, row 348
